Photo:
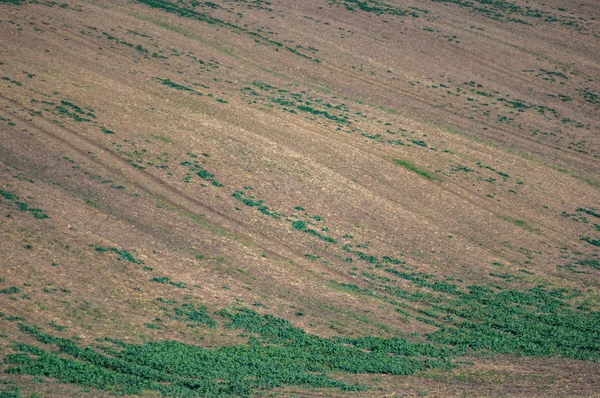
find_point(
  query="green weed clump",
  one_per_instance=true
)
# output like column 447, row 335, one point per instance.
column 591, row 212
column 302, row 226
column 176, row 86
column 299, row 225
column 22, row 206
column 590, row 263
column 167, row 280
column 379, row 263
column 195, row 167
column 591, row 241
column 251, row 201
column 8, row 79
column 320, row 235
column 123, row 254
column 381, row 8
column 590, row 96
column 75, row 112
column 10, row 290
column 408, row 165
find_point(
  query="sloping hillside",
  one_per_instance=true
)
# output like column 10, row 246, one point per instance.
column 298, row 198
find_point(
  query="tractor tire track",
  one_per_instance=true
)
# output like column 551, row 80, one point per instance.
column 151, row 184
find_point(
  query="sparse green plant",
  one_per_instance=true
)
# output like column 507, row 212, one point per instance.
column 408, row 165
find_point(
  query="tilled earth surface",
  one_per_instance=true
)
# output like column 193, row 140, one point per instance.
column 315, row 198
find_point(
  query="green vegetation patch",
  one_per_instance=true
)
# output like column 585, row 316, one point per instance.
column 177, row 86
column 12, row 81
column 590, row 263
column 196, row 168
column 379, row 7
column 166, row 280
column 302, row 226
column 424, row 280
column 590, row 96
column 298, row 103
column 196, row 316
column 123, row 254
column 539, row 321
column 14, row 200
column 299, row 225
column 75, row 112
column 535, row 322
column 591, row 212
column 10, row 290
column 408, row 165
column 278, row 354
column 371, row 259
column 591, row 241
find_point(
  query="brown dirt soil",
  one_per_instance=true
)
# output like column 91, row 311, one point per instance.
column 465, row 146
